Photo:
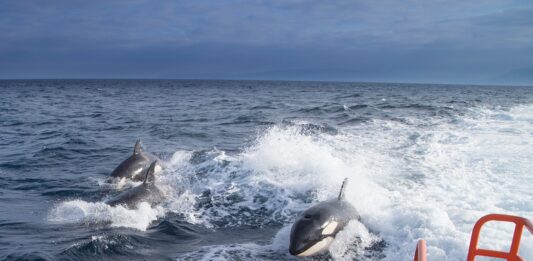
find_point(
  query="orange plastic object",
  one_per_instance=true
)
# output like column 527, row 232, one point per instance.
column 420, row 253
column 512, row 255
column 473, row 251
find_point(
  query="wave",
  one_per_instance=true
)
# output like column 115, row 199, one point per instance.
column 89, row 213
column 419, row 178
column 355, row 242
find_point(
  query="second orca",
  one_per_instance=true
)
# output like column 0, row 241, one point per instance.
column 147, row 191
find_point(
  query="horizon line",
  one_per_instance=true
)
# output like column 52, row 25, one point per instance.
column 271, row 80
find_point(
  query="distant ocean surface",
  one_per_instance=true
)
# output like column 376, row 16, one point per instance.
column 244, row 158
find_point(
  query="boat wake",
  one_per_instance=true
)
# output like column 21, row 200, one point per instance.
column 412, row 178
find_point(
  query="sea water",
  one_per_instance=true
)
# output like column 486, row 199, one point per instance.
column 244, row 158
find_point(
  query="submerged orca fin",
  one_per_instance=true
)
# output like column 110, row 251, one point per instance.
column 150, row 173
column 137, row 148
column 343, row 187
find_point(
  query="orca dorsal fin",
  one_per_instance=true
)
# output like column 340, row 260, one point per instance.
column 150, row 173
column 137, row 148
column 343, row 187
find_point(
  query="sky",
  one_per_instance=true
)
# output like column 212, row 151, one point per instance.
column 455, row 41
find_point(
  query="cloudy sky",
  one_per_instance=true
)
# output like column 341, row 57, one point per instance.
column 456, row 41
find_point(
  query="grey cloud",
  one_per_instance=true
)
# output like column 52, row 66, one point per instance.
column 410, row 40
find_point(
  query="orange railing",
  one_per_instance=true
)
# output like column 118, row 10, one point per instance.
column 473, row 251
column 512, row 255
column 420, row 253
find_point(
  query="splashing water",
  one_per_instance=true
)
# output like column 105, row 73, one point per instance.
column 407, row 183
column 418, row 168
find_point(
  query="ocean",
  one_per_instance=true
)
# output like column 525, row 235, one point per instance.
column 244, row 158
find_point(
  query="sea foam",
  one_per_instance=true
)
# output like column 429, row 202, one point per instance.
column 409, row 180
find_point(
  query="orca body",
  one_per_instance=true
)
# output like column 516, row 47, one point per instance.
column 147, row 191
column 134, row 166
column 316, row 228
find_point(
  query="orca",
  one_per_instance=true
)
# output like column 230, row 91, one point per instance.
column 316, row 228
column 147, row 191
column 135, row 165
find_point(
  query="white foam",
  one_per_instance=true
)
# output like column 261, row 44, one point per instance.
column 289, row 160
column 345, row 107
column 352, row 243
column 117, row 183
column 446, row 176
column 423, row 178
column 277, row 250
column 79, row 211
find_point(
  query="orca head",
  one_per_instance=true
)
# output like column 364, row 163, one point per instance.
column 315, row 228
column 313, row 232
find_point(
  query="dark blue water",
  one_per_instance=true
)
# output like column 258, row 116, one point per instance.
column 245, row 157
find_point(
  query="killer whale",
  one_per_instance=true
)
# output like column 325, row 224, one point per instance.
column 147, row 191
column 135, row 165
column 316, row 228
